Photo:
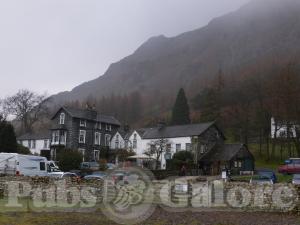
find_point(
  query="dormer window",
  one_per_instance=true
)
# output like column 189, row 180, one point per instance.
column 62, row 118
column 108, row 127
column 83, row 123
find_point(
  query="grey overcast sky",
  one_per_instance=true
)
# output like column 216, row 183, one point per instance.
column 54, row 45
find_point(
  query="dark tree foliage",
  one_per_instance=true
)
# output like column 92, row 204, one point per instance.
column 208, row 102
column 23, row 150
column 179, row 159
column 181, row 110
column 69, row 159
column 8, row 142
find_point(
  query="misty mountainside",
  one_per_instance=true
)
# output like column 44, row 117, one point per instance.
column 259, row 35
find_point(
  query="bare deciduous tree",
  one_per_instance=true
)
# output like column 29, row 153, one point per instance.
column 26, row 106
column 157, row 148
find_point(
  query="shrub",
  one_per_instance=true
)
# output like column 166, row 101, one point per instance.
column 102, row 164
column 23, row 150
column 69, row 159
column 179, row 159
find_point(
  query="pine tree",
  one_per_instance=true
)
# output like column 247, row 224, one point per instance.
column 8, row 142
column 181, row 111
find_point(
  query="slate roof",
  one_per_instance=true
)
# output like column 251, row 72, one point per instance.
column 140, row 131
column 223, row 153
column 90, row 115
column 121, row 132
column 176, row 131
column 41, row 135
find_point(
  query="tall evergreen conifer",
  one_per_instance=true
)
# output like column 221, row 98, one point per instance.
column 181, row 110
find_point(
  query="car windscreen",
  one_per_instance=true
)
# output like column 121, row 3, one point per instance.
column 296, row 161
column 296, row 176
column 265, row 174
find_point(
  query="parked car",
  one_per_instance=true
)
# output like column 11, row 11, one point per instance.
column 292, row 166
column 261, row 180
column 268, row 173
column 110, row 166
column 264, row 177
column 89, row 166
column 296, row 179
column 120, row 176
column 64, row 175
column 53, row 167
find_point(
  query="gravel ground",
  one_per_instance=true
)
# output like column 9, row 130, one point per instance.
column 225, row 218
column 160, row 217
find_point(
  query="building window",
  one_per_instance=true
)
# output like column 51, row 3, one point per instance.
column 188, row 146
column 33, row 144
column 108, row 127
column 46, row 146
column 134, row 144
column 82, row 151
column 97, row 138
column 82, row 134
column 98, row 126
column 169, row 148
column 202, row 149
column 152, row 148
column 117, row 142
column 238, row 164
column 107, row 140
column 83, row 123
column 63, row 137
column 62, row 118
column 178, row 147
column 96, row 155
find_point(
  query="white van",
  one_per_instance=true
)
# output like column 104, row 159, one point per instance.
column 27, row 165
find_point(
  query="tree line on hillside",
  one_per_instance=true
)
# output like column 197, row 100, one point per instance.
column 242, row 107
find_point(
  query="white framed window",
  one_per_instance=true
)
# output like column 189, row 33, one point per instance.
column 83, row 123
column 96, row 155
column 238, row 164
column 169, row 146
column 152, row 148
column 62, row 118
column 46, row 144
column 134, row 143
column 63, row 137
column 108, row 127
column 97, row 138
column 82, row 134
column 33, row 144
column 82, row 151
column 178, row 147
column 188, row 146
column 107, row 139
column 55, row 136
column 117, row 142
column 29, row 144
column 202, row 149
column 98, row 126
